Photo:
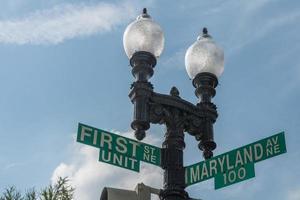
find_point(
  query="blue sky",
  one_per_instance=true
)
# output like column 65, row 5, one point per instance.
column 62, row 62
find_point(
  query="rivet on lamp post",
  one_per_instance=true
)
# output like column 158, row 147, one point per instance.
column 143, row 43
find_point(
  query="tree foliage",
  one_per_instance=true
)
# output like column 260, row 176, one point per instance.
column 61, row 190
column 11, row 193
column 30, row 195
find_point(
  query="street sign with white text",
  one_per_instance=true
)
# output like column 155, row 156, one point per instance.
column 118, row 150
column 228, row 168
column 223, row 164
column 234, row 175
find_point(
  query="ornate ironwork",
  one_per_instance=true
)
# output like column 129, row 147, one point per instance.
column 178, row 115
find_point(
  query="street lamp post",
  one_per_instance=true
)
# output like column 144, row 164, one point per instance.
column 143, row 43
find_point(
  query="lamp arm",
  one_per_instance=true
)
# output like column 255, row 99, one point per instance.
column 197, row 120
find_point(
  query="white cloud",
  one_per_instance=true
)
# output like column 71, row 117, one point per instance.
column 89, row 176
column 12, row 165
column 65, row 21
column 265, row 29
column 294, row 194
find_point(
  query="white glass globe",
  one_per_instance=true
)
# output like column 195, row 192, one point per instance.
column 204, row 56
column 143, row 34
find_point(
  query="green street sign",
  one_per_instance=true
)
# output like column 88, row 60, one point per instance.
column 150, row 154
column 235, row 175
column 251, row 153
column 118, row 150
column 120, row 160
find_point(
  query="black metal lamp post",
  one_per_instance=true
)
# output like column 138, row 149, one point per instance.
column 143, row 42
